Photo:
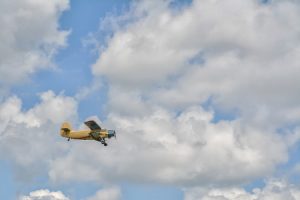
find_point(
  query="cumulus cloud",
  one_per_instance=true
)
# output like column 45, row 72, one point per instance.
column 185, row 149
column 44, row 195
column 241, row 53
column 52, row 108
column 29, row 139
column 141, row 54
column 30, row 37
column 166, row 64
column 275, row 190
column 113, row 193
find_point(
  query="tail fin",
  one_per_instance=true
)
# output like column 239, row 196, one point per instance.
column 65, row 129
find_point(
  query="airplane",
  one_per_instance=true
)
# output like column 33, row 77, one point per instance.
column 95, row 132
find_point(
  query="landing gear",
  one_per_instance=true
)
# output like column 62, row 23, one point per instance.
column 102, row 140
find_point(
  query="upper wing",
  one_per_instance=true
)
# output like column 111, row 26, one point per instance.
column 92, row 125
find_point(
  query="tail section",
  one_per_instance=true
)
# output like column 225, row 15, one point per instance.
column 65, row 129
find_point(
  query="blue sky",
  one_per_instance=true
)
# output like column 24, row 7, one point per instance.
column 196, row 90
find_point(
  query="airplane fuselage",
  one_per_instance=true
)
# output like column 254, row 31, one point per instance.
column 87, row 134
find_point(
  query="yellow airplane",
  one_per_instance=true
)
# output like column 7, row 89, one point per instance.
column 95, row 132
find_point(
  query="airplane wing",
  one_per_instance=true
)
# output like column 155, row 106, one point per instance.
column 92, row 125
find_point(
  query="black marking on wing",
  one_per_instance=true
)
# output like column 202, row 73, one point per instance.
column 92, row 125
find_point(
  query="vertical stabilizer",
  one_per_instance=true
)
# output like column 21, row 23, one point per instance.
column 65, row 129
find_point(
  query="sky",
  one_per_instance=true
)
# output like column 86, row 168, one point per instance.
column 203, row 94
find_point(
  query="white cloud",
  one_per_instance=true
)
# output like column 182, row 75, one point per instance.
column 142, row 56
column 273, row 190
column 164, row 64
column 112, row 193
column 52, row 108
column 30, row 139
column 44, row 195
column 244, row 54
column 185, row 149
column 30, row 37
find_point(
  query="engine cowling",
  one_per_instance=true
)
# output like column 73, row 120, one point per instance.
column 111, row 133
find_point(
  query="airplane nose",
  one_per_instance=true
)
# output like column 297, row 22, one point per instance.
column 111, row 133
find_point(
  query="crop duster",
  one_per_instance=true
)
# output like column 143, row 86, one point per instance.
column 95, row 132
